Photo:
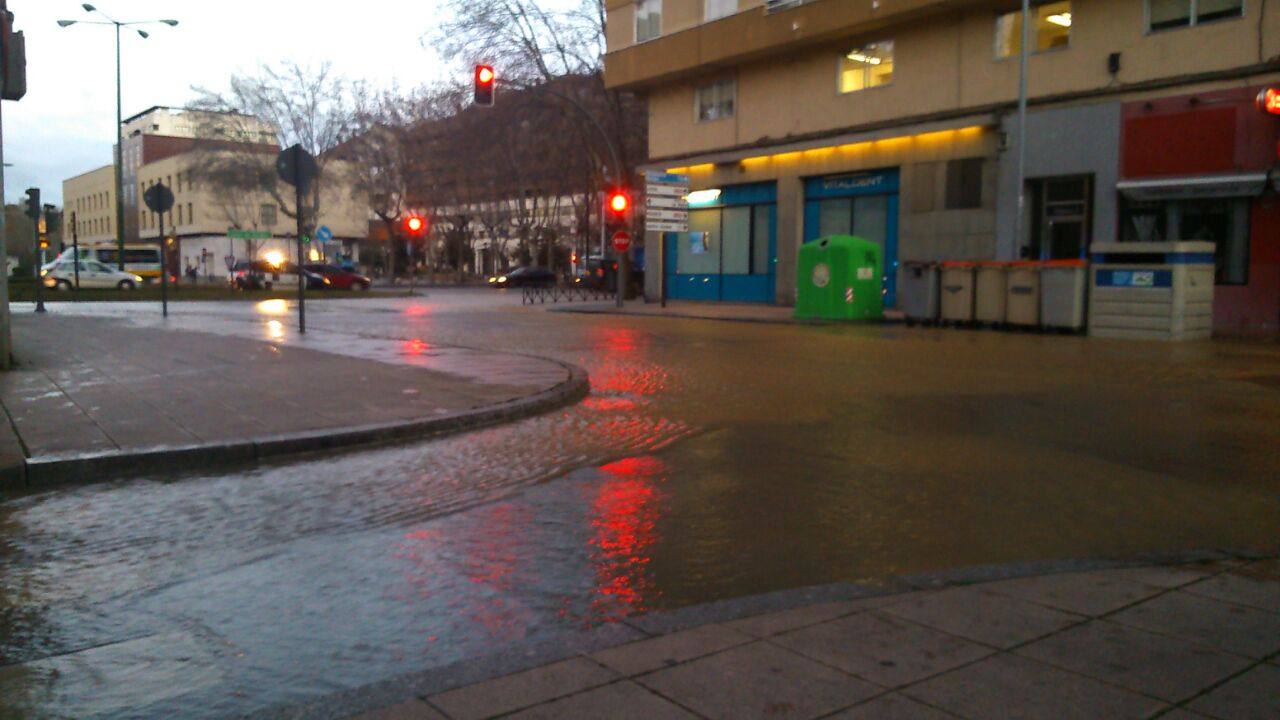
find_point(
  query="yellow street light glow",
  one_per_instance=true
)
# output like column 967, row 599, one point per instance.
column 275, row 257
column 273, row 307
column 870, row 60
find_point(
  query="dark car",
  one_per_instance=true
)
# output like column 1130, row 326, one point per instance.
column 524, row 277
column 262, row 275
column 340, row 279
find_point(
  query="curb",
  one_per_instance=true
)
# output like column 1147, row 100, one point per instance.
column 720, row 318
column 42, row 472
column 348, row 703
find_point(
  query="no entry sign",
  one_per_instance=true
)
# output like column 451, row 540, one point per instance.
column 621, row 240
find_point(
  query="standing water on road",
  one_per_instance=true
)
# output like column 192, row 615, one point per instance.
column 711, row 460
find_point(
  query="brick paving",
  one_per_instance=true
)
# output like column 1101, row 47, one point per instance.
column 1182, row 643
column 91, row 386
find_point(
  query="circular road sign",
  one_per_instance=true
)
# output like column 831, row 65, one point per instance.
column 621, row 240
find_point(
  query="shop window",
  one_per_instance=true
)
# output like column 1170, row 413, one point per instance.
column 1168, row 14
column 648, row 20
column 716, row 9
column 866, row 67
column 964, row 184
column 714, row 101
column 730, row 241
column 1222, row 221
column 1050, row 29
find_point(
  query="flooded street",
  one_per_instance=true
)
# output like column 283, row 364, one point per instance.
column 711, row 460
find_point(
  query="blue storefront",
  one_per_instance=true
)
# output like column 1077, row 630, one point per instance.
column 864, row 204
column 730, row 253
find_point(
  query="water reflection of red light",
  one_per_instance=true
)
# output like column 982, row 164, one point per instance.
column 417, row 310
column 414, row 347
column 625, row 513
column 596, row 402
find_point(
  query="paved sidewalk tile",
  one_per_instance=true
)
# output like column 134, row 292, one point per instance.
column 646, row 655
column 522, row 690
column 992, row 619
column 1234, row 628
column 1254, row 695
column 1007, row 686
column 785, row 620
column 1085, row 593
column 410, row 710
column 619, row 701
column 1258, row 592
column 1156, row 665
column 758, row 681
column 892, row 707
column 1163, row 576
column 886, row 650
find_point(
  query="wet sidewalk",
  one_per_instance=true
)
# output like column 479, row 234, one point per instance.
column 1179, row 642
column 94, row 397
column 732, row 312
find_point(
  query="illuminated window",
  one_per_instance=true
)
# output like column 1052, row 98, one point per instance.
column 1050, row 28
column 866, row 67
column 1167, row 14
column 714, row 101
column 648, row 19
column 716, row 9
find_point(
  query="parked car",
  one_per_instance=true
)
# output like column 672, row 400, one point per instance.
column 262, row 275
column 139, row 259
column 61, row 275
column 524, row 277
column 340, row 279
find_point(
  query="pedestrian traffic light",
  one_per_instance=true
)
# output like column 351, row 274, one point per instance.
column 33, row 203
column 52, row 219
column 13, row 59
column 415, row 225
column 486, row 79
column 44, row 242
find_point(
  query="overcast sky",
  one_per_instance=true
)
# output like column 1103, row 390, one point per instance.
column 64, row 126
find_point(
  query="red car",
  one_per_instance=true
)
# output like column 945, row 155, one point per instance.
column 340, row 279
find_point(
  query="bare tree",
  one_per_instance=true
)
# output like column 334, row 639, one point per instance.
column 275, row 108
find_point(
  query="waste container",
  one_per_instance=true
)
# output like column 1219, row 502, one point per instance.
column 990, row 288
column 918, row 290
column 1022, row 298
column 840, row 278
column 957, row 291
column 1062, row 293
column 1160, row 290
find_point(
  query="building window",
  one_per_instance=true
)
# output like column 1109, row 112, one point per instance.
column 1050, row 29
column 180, row 221
column 1221, row 221
column 1168, row 14
column 714, row 101
column 191, row 214
column 964, row 184
column 716, row 9
column 866, row 67
column 648, row 19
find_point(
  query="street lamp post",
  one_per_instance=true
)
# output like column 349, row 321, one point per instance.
column 108, row 20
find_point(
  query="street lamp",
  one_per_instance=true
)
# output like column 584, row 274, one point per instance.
column 108, row 20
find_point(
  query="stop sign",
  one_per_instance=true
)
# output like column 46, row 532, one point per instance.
column 621, row 240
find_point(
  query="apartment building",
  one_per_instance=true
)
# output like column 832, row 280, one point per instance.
column 896, row 120
column 163, row 145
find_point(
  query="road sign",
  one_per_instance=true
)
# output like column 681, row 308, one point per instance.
column 296, row 166
column 675, row 191
column 235, row 234
column 159, row 198
column 651, row 178
column 676, row 215
column 666, row 209
column 324, row 234
column 664, row 202
column 621, row 241
column 666, row 226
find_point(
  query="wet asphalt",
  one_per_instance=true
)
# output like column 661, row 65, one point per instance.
column 712, row 460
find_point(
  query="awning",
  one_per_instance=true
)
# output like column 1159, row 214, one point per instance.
column 1195, row 186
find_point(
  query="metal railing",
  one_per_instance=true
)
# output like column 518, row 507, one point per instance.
column 555, row 294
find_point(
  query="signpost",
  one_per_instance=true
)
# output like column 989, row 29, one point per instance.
column 666, row 209
column 297, row 167
column 159, row 199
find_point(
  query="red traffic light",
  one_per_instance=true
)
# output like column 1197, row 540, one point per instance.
column 1269, row 101
column 415, row 225
column 619, row 202
column 486, row 79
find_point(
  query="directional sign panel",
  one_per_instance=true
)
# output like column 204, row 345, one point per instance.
column 666, row 226
column 680, row 215
column 674, row 203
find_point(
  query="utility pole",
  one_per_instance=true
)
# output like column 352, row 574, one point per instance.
column 75, row 248
column 1019, row 219
column 302, row 275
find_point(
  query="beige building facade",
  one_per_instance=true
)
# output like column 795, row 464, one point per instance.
column 89, row 205
column 896, row 120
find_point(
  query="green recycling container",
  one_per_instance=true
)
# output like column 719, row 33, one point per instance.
column 840, row 278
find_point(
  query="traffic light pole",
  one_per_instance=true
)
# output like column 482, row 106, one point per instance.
column 35, row 231
column 75, row 248
column 164, row 269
